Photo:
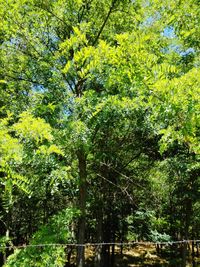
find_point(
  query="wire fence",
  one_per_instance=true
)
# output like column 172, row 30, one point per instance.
column 101, row 244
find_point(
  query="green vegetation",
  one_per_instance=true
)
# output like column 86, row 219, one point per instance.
column 99, row 127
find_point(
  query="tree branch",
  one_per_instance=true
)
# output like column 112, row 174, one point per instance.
column 23, row 79
column 123, row 190
column 105, row 21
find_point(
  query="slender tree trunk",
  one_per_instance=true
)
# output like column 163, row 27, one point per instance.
column 106, row 256
column 106, row 248
column 113, row 236
column 186, row 230
column 6, row 250
column 193, row 254
column 112, row 260
column 184, row 254
column 157, row 249
column 82, row 206
column 98, row 252
column 197, row 248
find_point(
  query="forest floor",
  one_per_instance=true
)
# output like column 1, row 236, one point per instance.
column 144, row 256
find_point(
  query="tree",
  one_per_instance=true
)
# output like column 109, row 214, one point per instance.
column 110, row 90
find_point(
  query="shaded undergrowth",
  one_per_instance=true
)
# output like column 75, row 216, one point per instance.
column 144, row 256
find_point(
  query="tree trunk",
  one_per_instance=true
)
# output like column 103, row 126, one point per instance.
column 188, row 213
column 157, row 249
column 106, row 248
column 98, row 252
column 193, row 255
column 106, row 256
column 6, row 250
column 112, row 260
column 197, row 248
column 82, row 206
column 184, row 254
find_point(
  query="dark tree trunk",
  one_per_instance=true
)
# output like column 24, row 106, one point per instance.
column 157, row 249
column 106, row 256
column 197, row 247
column 82, row 206
column 184, row 254
column 193, row 255
column 112, row 260
column 188, row 209
column 98, row 252
column 107, row 239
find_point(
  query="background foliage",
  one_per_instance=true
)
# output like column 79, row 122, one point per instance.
column 99, row 111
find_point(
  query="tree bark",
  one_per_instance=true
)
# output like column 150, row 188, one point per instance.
column 197, row 248
column 6, row 250
column 193, row 255
column 82, row 206
column 188, row 211
column 98, row 252
column 184, row 254
column 112, row 260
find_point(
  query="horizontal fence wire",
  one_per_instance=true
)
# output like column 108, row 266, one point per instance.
column 100, row 244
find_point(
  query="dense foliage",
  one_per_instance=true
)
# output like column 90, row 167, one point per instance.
column 99, row 126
